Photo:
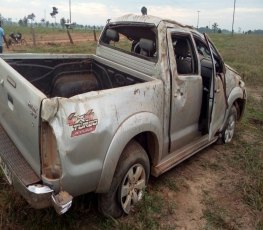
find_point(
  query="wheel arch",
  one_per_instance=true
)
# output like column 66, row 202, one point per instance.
column 237, row 97
column 240, row 104
column 140, row 127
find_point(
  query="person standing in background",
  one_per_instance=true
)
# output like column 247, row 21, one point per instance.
column 2, row 37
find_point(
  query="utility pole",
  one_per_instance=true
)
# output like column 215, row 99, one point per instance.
column 70, row 11
column 198, row 18
column 233, row 17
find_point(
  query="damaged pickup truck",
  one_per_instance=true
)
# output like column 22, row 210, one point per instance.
column 155, row 93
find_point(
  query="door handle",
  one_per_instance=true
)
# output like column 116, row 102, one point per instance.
column 218, row 91
column 11, row 81
column 10, row 102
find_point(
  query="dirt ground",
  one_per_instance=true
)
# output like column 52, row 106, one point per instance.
column 62, row 37
column 206, row 181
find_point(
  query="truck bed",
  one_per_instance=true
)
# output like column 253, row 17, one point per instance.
column 69, row 77
column 29, row 81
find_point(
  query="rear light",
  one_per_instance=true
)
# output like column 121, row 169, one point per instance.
column 50, row 161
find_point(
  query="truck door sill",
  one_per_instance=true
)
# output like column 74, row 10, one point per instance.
column 180, row 155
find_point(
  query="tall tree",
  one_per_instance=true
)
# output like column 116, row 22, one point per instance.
column 25, row 21
column 54, row 12
column 20, row 22
column 215, row 27
column 31, row 17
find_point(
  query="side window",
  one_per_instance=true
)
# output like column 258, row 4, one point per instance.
column 202, row 49
column 184, row 54
column 205, row 56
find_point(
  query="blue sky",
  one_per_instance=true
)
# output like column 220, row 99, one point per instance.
column 249, row 14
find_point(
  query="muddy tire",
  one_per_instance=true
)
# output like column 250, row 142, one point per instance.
column 229, row 129
column 129, row 182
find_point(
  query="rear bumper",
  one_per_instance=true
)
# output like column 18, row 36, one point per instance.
column 19, row 173
column 41, row 196
column 37, row 198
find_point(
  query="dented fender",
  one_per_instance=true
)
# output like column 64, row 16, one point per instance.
column 134, row 125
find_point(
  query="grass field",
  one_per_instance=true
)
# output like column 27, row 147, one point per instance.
column 218, row 188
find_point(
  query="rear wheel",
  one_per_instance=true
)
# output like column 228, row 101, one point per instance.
column 132, row 187
column 129, row 182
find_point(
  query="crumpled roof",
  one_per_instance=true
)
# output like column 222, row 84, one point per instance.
column 139, row 18
column 146, row 19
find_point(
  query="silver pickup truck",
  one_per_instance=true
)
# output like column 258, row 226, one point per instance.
column 155, row 93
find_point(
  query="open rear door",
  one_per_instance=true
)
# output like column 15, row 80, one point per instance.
column 218, row 102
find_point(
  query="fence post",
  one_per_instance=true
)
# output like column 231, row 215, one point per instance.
column 69, row 36
column 94, row 33
column 33, row 35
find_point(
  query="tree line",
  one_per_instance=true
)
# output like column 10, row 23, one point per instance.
column 28, row 21
column 216, row 29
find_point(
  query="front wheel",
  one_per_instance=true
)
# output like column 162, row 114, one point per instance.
column 129, row 182
column 229, row 130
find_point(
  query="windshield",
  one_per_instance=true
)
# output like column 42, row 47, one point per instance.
column 138, row 40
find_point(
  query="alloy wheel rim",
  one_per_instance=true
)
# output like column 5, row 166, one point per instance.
column 229, row 132
column 132, row 187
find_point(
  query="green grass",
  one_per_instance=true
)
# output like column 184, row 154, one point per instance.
column 217, row 215
column 26, row 30
column 244, row 53
column 249, row 155
column 244, row 156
